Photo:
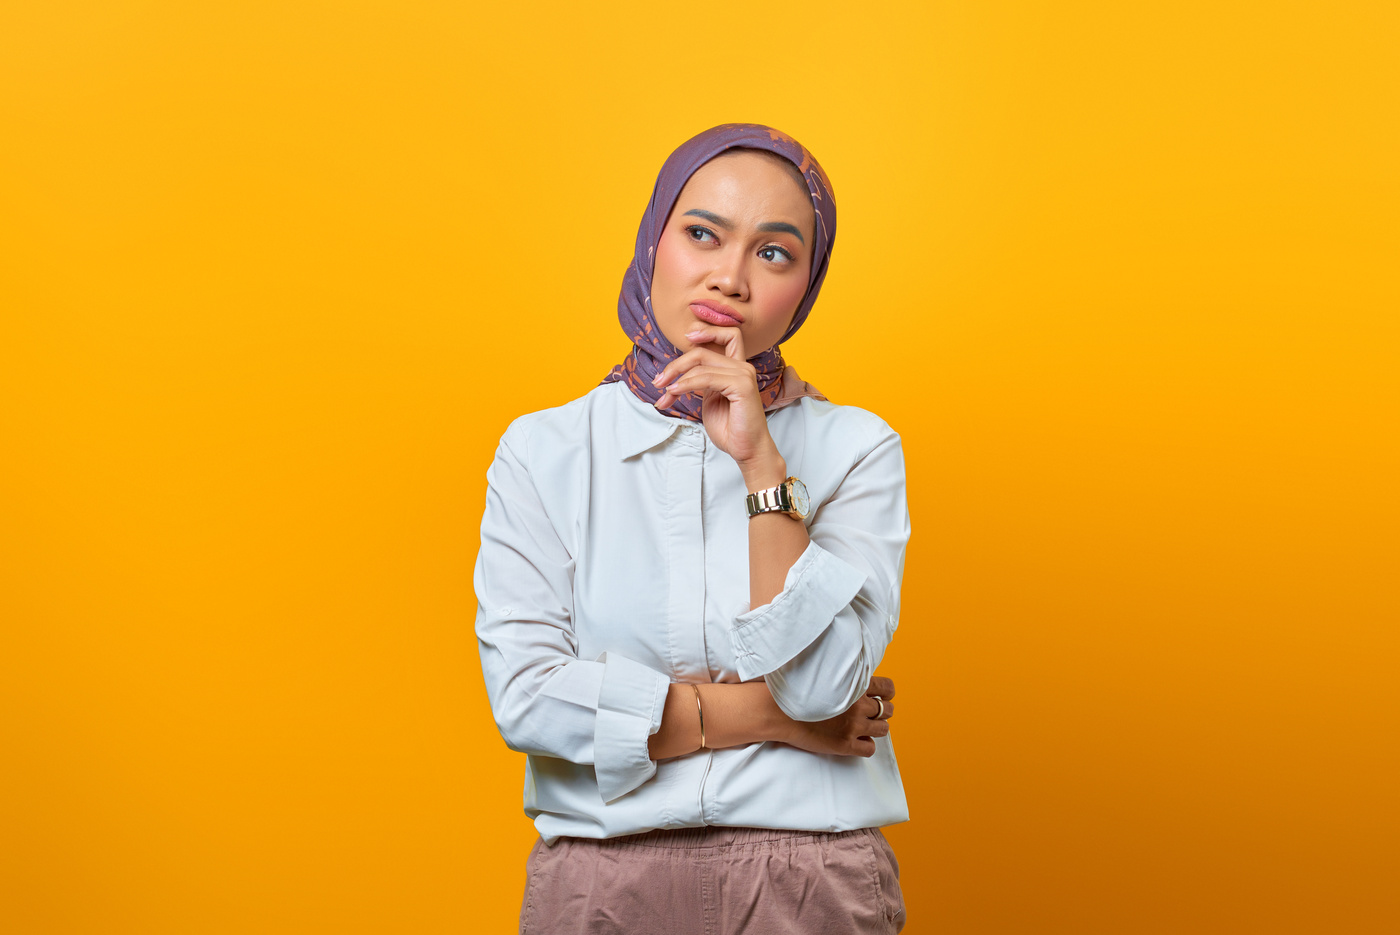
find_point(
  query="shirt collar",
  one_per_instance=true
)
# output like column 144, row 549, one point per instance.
column 639, row 425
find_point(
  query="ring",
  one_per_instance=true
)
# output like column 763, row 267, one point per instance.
column 881, row 702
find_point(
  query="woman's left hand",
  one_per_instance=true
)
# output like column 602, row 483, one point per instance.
column 721, row 375
column 852, row 733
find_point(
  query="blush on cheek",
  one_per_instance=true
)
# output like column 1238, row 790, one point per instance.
column 786, row 297
column 662, row 258
column 668, row 270
column 674, row 276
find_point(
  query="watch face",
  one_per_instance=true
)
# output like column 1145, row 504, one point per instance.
column 801, row 501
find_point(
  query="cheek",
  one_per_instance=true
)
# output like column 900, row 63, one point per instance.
column 783, row 297
column 673, row 268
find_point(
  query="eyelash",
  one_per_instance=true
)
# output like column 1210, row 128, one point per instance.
column 772, row 246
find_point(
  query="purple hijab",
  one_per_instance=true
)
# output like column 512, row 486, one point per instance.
column 651, row 351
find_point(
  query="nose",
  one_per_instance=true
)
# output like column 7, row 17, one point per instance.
column 729, row 275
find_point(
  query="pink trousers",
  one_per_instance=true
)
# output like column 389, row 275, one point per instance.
column 714, row 881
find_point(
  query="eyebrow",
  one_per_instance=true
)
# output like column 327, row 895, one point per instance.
column 783, row 227
column 776, row 226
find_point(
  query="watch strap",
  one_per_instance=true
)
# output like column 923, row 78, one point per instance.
column 770, row 500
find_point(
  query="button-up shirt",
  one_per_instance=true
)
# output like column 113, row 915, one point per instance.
column 614, row 561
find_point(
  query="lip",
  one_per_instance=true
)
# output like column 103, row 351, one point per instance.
column 716, row 313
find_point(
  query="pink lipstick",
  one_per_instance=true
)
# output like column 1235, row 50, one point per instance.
column 716, row 313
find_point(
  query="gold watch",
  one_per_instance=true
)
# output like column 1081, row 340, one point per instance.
column 789, row 497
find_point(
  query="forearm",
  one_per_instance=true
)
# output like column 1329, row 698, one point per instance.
column 735, row 714
column 820, row 639
column 776, row 540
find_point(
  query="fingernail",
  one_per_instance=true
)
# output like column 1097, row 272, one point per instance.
column 656, row 380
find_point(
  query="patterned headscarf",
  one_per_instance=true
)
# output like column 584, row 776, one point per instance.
column 651, row 350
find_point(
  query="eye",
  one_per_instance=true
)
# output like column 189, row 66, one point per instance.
column 775, row 254
column 698, row 234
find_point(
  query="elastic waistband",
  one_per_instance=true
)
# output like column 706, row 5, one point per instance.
column 716, row 837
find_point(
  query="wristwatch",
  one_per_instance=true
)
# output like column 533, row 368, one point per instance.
column 789, row 497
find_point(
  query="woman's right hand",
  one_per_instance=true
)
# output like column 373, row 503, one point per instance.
column 851, row 733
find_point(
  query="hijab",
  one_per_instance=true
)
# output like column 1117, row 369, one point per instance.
column 778, row 384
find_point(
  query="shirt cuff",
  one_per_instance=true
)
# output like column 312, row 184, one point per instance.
column 817, row 586
column 630, row 703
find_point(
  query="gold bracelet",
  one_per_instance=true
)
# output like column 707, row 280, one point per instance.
column 702, row 714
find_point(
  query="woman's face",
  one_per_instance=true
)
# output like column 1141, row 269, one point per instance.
column 736, row 251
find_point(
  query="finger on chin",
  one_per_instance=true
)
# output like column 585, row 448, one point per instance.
column 731, row 338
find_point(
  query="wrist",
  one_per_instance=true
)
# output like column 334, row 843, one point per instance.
column 768, row 470
column 777, row 726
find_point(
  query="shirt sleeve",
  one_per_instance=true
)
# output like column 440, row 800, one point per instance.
column 547, row 701
column 818, row 642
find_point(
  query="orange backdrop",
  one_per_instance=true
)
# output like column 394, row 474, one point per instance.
column 275, row 276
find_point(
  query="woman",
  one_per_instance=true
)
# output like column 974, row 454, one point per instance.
column 686, row 580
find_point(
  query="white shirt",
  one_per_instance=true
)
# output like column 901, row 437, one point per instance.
column 614, row 561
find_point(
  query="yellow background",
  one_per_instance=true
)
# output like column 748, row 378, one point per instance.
column 275, row 276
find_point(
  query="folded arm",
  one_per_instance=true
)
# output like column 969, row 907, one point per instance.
column 740, row 713
column 619, row 715
column 612, row 713
column 818, row 639
column 545, row 699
